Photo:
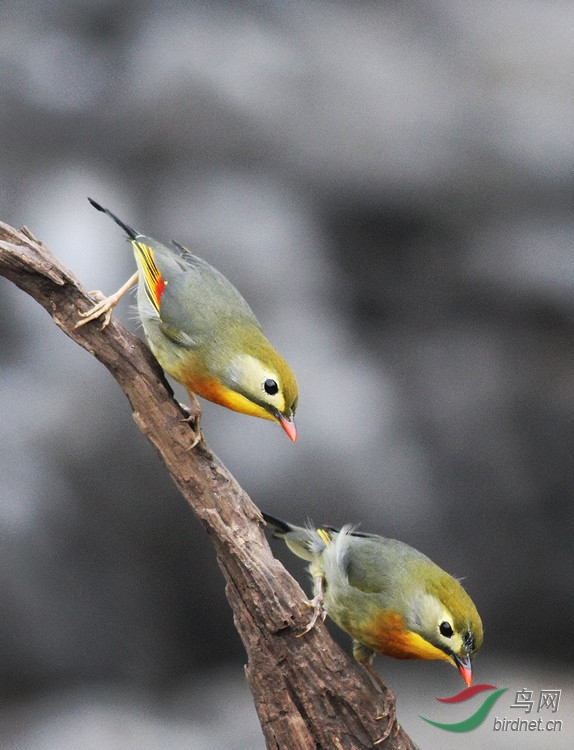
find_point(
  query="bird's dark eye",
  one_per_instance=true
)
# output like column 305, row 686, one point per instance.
column 445, row 629
column 270, row 386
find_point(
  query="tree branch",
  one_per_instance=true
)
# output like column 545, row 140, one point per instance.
column 308, row 693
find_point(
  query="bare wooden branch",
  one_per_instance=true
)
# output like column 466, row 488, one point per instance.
column 308, row 693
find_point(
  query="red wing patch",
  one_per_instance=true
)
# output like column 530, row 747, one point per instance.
column 153, row 280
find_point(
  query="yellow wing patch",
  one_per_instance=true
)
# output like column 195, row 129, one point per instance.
column 325, row 536
column 153, row 280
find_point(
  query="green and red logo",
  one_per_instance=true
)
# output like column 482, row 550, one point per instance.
column 475, row 719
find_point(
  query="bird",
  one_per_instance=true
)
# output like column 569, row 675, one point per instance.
column 203, row 333
column 389, row 597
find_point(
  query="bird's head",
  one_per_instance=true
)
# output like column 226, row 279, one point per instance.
column 447, row 623
column 261, row 385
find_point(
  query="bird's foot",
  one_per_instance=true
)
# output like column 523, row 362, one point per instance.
column 103, row 307
column 392, row 722
column 318, row 611
column 104, row 304
column 391, row 712
column 193, row 419
column 196, row 440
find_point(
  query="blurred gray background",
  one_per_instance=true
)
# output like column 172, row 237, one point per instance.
column 390, row 186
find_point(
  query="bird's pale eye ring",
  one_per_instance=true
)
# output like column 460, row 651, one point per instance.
column 445, row 629
column 270, row 387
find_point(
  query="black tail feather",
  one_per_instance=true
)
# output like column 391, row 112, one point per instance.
column 280, row 528
column 131, row 233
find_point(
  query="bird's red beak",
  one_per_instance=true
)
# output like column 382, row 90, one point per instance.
column 465, row 668
column 289, row 427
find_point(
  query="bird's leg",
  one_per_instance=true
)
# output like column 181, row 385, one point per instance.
column 364, row 655
column 374, row 676
column 105, row 304
column 317, row 603
column 193, row 418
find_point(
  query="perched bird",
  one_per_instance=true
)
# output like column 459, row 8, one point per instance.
column 390, row 598
column 203, row 333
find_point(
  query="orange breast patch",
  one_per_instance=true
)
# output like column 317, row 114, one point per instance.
column 213, row 390
column 387, row 635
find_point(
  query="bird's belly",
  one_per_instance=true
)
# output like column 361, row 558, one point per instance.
column 380, row 630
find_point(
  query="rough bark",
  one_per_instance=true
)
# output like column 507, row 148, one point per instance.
column 307, row 691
